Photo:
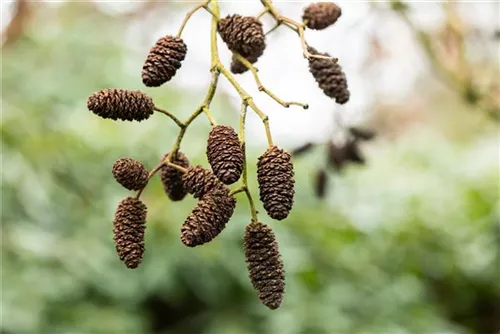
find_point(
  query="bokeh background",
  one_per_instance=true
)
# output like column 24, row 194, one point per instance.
column 406, row 242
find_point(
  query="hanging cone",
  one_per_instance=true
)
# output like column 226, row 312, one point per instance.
column 264, row 264
column 130, row 173
column 129, row 225
column 238, row 67
column 126, row 105
column 336, row 156
column 321, row 183
column 321, row 15
column 199, row 181
column 225, row 154
column 208, row 218
column 329, row 76
column 276, row 182
column 171, row 178
column 163, row 61
column 243, row 34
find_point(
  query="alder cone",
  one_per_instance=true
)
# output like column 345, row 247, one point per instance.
column 225, row 154
column 276, row 182
column 130, row 173
column 123, row 104
column 321, row 15
column 163, row 61
column 353, row 153
column 208, row 218
column 129, row 226
column 265, row 267
column 329, row 76
column 321, row 183
column 199, row 181
column 243, row 34
column 237, row 67
column 171, row 178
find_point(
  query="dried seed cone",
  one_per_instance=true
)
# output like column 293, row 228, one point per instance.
column 199, row 181
column 321, row 183
column 171, row 178
column 130, row 173
column 276, row 182
column 329, row 76
column 129, row 226
column 243, row 34
column 238, row 67
column 225, row 154
column 353, row 153
column 321, row 15
column 123, row 104
column 208, row 218
column 264, row 264
column 163, row 61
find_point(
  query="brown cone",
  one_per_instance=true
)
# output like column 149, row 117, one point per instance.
column 129, row 226
column 163, row 61
column 127, row 105
column 208, row 218
column 329, row 76
column 362, row 133
column 276, row 182
column 225, row 154
column 171, row 178
column 336, row 156
column 238, row 67
column 243, row 34
column 321, row 183
column 199, row 181
column 130, row 173
column 353, row 153
column 264, row 264
column 321, row 15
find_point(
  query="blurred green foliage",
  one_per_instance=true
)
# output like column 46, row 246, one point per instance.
column 408, row 244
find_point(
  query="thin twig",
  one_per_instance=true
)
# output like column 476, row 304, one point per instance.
column 175, row 119
column 261, row 87
column 237, row 191
column 189, row 14
column 292, row 24
column 179, row 168
column 243, row 116
column 150, row 175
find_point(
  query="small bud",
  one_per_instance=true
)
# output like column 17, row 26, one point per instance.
column 265, row 267
column 276, row 182
column 123, row 104
column 129, row 226
column 130, row 173
column 321, row 15
column 163, row 61
column 225, row 154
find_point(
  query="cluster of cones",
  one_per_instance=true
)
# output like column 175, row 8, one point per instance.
column 244, row 37
column 338, row 156
column 215, row 205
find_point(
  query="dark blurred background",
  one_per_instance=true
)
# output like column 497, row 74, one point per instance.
column 402, row 240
